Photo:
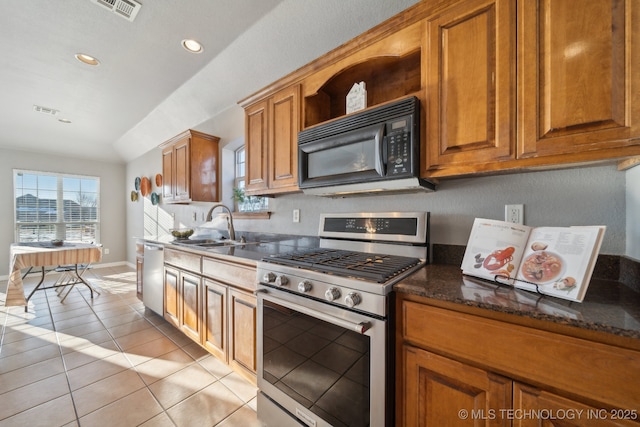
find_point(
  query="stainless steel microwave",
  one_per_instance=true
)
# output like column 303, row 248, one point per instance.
column 373, row 151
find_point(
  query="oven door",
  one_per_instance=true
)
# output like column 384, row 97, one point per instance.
column 344, row 158
column 326, row 366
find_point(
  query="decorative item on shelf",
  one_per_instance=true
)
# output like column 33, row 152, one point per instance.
column 357, row 98
column 248, row 203
column 57, row 242
column 134, row 196
column 145, row 186
column 155, row 198
column 158, row 180
column 137, row 183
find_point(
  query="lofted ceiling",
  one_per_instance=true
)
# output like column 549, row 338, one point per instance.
column 147, row 88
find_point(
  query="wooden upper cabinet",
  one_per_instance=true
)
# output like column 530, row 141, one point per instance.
column 256, row 146
column 578, row 76
column 190, row 168
column 470, row 79
column 271, row 144
column 284, row 110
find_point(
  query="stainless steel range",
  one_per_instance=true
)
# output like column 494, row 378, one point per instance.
column 325, row 332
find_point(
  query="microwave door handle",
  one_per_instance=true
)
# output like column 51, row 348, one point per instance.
column 380, row 148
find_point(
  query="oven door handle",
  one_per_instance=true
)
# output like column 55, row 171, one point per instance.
column 360, row 327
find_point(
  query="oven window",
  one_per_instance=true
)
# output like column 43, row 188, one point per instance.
column 348, row 158
column 323, row 367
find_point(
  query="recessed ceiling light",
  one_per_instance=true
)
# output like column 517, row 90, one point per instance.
column 64, row 120
column 192, row 46
column 87, row 59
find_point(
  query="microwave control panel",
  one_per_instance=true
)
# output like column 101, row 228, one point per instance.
column 400, row 145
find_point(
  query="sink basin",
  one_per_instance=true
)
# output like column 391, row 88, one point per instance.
column 196, row 241
column 210, row 243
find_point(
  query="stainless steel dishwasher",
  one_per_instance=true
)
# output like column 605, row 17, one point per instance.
column 152, row 278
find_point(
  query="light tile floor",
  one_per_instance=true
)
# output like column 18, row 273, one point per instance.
column 109, row 361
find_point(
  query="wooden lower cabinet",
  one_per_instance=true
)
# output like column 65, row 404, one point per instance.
column 214, row 319
column 171, row 300
column 242, row 331
column 191, row 288
column 210, row 301
column 534, row 407
column 139, row 277
column 440, row 392
column 456, row 369
column 182, row 295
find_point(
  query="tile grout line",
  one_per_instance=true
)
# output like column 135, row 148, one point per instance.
column 129, row 360
column 64, row 364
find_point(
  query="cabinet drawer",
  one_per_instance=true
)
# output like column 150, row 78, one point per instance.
column 601, row 372
column 232, row 274
column 182, row 260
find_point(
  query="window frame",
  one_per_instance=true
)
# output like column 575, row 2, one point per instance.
column 239, row 183
column 65, row 214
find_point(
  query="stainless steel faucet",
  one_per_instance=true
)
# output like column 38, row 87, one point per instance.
column 232, row 231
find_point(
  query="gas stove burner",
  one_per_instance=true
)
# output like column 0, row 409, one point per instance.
column 378, row 268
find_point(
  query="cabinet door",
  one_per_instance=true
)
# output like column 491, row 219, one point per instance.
column 190, row 301
column 182, row 171
column 284, row 123
column 214, row 321
column 171, row 299
column 256, row 145
column 437, row 390
column 575, row 66
column 242, row 331
column 167, row 174
column 470, row 84
column 558, row 411
column 139, row 278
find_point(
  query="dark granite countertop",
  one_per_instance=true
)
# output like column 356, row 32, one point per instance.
column 609, row 306
column 261, row 246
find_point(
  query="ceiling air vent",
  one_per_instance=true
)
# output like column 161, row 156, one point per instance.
column 127, row 9
column 45, row 110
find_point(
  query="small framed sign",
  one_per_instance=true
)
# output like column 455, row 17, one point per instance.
column 357, row 98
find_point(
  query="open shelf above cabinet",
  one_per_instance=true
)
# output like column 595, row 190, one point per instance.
column 386, row 78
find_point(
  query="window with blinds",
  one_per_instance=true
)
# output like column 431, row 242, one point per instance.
column 56, row 206
column 242, row 202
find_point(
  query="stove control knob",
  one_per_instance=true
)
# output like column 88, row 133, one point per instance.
column 352, row 299
column 304, row 286
column 269, row 277
column 282, row 280
column 332, row 294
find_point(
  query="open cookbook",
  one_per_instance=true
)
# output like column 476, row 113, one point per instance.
column 556, row 261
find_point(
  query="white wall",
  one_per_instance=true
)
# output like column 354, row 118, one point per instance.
column 112, row 197
column 633, row 212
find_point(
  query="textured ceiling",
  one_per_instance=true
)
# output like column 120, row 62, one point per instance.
column 147, row 88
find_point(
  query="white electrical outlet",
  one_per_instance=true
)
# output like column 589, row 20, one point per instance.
column 514, row 213
column 106, row 251
column 296, row 215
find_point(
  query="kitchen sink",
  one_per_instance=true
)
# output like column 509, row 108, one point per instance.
column 210, row 243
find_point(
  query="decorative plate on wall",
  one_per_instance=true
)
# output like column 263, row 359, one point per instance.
column 137, row 184
column 145, row 186
column 134, row 196
column 155, row 198
column 159, row 180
